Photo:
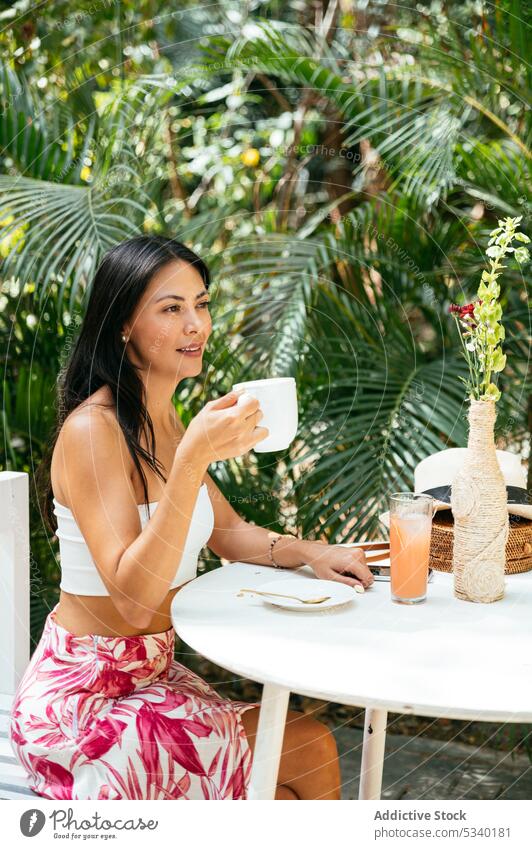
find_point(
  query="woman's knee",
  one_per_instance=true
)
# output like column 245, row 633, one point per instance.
column 302, row 735
column 303, row 731
column 309, row 760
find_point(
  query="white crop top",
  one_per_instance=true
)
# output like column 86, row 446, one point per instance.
column 79, row 574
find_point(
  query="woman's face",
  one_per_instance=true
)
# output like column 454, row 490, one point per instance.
column 172, row 314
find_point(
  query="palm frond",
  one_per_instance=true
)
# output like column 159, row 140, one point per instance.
column 69, row 228
column 496, row 173
column 61, row 226
column 415, row 118
column 364, row 433
column 40, row 146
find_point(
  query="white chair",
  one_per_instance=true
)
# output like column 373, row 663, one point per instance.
column 14, row 619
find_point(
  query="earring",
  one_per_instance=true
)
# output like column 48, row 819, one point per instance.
column 123, row 338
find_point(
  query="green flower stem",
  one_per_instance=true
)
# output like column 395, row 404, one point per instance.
column 495, row 265
column 466, row 352
column 476, row 372
column 486, row 381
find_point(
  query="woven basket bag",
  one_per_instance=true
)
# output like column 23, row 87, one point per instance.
column 518, row 546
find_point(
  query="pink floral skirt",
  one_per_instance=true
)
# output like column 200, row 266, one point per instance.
column 119, row 718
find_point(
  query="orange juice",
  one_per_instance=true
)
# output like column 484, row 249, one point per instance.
column 409, row 555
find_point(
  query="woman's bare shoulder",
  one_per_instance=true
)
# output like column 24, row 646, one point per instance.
column 93, row 420
column 97, row 412
column 100, row 402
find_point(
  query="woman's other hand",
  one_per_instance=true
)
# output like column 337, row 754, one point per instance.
column 341, row 563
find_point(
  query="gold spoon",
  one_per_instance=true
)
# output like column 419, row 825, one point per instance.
column 303, row 600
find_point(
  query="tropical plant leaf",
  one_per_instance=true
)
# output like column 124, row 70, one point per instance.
column 365, row 436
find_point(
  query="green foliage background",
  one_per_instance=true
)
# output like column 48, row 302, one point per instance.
column 339, row 166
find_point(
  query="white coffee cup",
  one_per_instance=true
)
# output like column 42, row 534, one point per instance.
column 277, row 397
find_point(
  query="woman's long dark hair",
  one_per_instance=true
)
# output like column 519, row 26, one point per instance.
column 98, row 357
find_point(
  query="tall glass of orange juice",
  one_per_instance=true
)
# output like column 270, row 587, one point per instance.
column 410, row 529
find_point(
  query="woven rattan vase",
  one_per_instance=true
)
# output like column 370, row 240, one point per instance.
column 479, row 506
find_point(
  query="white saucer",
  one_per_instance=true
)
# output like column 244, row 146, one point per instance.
column 339, row 593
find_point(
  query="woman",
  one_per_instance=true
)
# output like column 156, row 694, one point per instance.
column 104, row 711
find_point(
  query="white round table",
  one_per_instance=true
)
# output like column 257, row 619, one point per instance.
column 444, row 657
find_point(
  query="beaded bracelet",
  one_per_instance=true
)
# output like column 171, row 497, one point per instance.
column 276, row 538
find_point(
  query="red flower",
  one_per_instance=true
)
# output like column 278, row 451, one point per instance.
column 465, row 311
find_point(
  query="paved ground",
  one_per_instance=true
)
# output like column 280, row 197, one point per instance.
column 420, row 768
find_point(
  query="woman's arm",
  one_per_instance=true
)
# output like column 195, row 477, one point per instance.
column 251, row 544
column 136, row 564
column 148, row 565
column 237, row 540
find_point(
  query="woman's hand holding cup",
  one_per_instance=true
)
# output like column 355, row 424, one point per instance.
column 226, row 427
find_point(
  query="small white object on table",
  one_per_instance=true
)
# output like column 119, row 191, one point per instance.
column 443, row 657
